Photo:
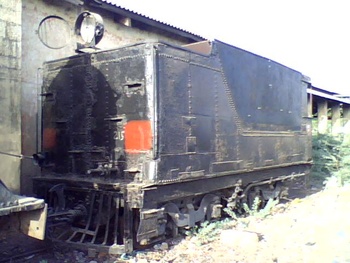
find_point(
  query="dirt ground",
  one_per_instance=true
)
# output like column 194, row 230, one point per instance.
column 315, row 228
column 312, row 229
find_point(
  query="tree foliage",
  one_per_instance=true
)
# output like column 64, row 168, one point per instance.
column 331, row 157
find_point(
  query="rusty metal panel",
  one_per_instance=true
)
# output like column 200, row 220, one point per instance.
column 186, row 112
column 88, row 102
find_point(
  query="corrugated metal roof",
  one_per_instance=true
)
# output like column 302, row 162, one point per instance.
column 327, row 95
column 143, row 18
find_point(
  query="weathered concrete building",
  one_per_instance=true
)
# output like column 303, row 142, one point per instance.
column 331, row 111
column 35, row 31
column 10, row 84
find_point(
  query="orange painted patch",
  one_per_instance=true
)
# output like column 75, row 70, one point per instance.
column 138, row 136
column 49, row 138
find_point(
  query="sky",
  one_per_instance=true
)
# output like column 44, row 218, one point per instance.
column 310, row 36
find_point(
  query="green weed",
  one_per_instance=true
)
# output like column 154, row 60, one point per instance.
column 209, row 231
column 231, row 213
column 255, row 210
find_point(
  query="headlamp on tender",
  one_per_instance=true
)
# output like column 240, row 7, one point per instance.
column 89, row 26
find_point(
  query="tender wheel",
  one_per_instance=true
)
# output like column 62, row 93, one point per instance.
column 171, row 229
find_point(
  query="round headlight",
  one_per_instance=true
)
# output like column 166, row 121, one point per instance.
column 89, row 26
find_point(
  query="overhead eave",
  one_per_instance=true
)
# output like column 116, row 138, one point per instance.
column 328, row 96
column 109, row 6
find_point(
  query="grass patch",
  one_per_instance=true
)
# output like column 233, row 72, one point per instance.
column 209, row 231
column 260, row 213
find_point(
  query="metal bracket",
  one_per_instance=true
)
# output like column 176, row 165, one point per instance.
column 61, row 200
column 152, row 224
column 193, row 216
column 134, row 196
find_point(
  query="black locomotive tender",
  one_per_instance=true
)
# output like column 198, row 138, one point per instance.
column 144, row 139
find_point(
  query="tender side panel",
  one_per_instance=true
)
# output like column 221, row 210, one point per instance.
column 186, row 114
column 270, row 102
column 230, row 112
column 268, row 95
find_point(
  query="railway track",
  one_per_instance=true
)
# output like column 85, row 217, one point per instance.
column 17, row 247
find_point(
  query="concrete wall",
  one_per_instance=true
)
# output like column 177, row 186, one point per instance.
column 33, row 57
column 10, row 79
column 35, row 53
column 333, row 117
column 322, row 116
column 346, row 118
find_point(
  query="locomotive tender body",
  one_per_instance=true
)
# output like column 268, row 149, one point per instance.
column 150, row 137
